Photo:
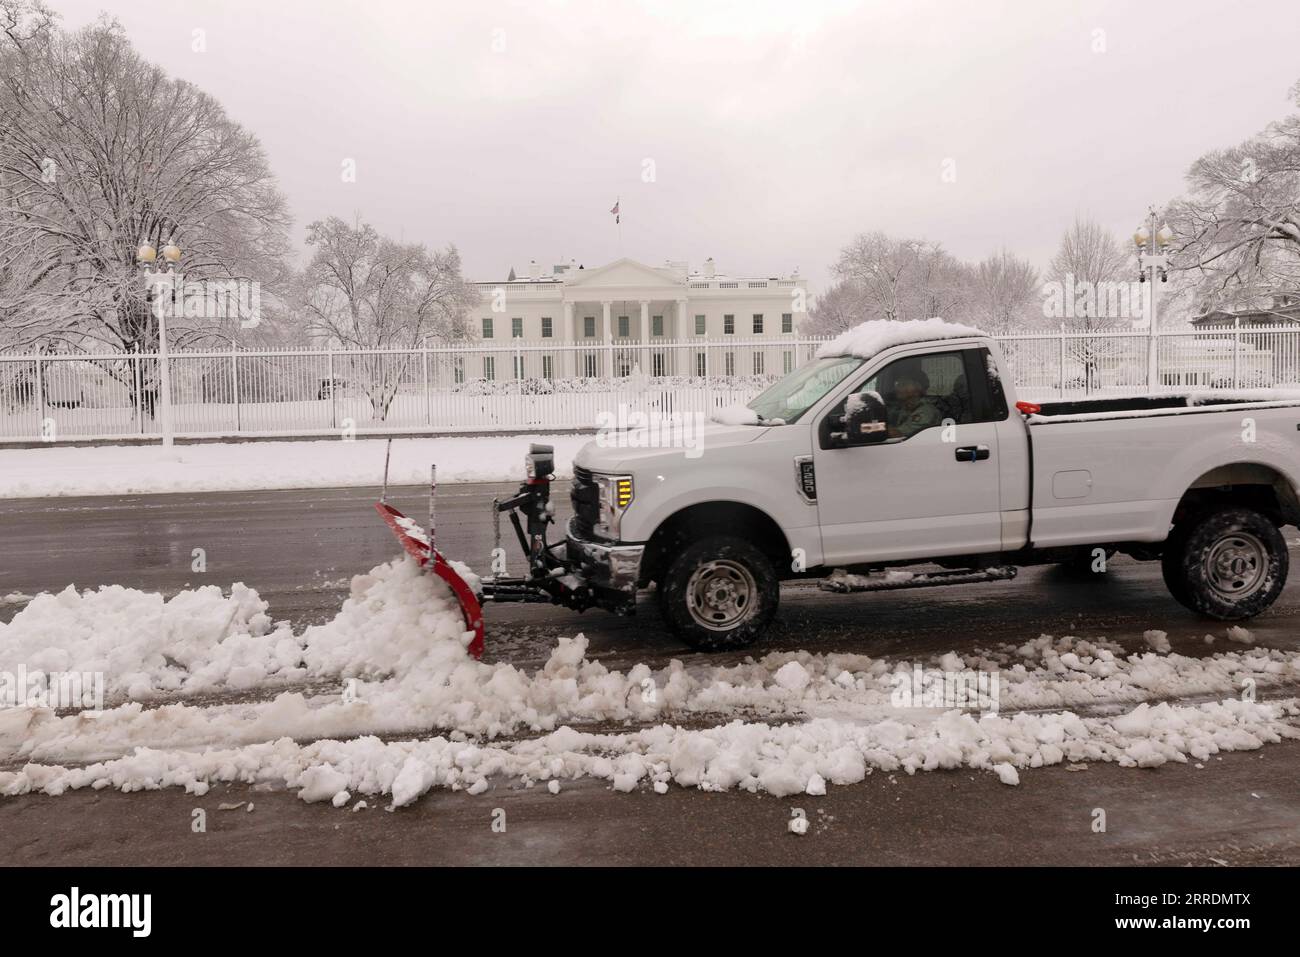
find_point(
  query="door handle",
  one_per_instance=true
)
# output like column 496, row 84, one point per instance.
column 972, row 453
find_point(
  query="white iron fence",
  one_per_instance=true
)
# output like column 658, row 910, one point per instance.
column 538, row 386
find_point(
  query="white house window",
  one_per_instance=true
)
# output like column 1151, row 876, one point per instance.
column 729, row 363
column 489, row 367
column 787, row 322
column 458, row 370
column 699, row 325
column 589, row 365
column 656, row 325
column 701, row 364
column 516, row 328
column 624, row 327
column 787, row 361
column 758, row 323
column 487, row 327
column 548, row 367
column 589, row 327
column 728, row 325
column 758, row 363
column 547, row 329
column 657, row 364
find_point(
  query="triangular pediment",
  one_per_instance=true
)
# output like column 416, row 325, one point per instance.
column 623, row 273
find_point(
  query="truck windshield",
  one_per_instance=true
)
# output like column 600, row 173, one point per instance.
column 794, row 395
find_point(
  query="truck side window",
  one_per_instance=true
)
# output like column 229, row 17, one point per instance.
column 921, row 392
column 988, row 400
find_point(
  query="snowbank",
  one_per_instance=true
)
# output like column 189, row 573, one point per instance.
column 870, row 338
column 784, row 723
column 238, row 466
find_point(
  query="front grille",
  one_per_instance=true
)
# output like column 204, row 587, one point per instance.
column 585, row 498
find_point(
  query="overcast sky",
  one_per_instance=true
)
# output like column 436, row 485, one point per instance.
column 776, row 130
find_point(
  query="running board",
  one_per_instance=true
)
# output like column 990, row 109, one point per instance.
column 895, row 579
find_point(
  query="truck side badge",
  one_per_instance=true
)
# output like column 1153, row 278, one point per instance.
column 805, row 477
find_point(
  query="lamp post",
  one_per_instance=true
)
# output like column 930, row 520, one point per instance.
column 1151, row 241
column 156, row 279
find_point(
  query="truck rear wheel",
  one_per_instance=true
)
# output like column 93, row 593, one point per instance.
column 721, row 592
column 1230, row 564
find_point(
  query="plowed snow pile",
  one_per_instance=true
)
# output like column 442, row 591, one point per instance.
column 417, row 712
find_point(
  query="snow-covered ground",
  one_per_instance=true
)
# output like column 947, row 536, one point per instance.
column 237, row 466
column 416, row 712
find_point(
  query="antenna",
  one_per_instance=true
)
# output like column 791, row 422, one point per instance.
column 433, row 489
column 388, row 451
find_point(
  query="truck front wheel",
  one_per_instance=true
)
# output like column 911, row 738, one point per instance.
column 721, row 592
column 1230, row 564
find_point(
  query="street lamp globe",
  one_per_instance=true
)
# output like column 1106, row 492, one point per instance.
column 1164, row 236
column 172, row 253
column 1142, row 236
column 146, row 253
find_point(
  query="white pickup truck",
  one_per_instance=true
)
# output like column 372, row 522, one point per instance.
column 902, row 444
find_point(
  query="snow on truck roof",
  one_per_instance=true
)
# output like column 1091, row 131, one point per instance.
column 870, row 338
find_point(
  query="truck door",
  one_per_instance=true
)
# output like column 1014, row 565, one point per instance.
column 931, row 486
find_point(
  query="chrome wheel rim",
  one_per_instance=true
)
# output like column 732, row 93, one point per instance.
column 721, row 594
column 1236, row 566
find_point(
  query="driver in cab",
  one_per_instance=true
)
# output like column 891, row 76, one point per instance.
column 911, row 410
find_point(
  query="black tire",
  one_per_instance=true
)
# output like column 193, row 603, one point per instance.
column 1171, row 561
column 735, row 613
column 1228, row 564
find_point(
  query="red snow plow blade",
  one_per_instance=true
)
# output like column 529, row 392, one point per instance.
column 415, row 541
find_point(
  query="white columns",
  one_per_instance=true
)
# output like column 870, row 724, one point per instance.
column 571, row 332
column 645, row 337
column 608, row 337
column 682, row 331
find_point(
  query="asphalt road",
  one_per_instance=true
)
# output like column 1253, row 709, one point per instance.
column 299, row 548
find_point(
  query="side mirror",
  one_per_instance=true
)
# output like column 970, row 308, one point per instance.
column 865, row 419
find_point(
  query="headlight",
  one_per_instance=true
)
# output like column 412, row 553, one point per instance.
column 615, row 495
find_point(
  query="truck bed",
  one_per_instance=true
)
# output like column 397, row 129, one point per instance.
column 1171, row 403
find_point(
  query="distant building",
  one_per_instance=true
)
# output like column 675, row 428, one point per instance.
column 1283, row 311
column 628, row 300
column 1250, row 356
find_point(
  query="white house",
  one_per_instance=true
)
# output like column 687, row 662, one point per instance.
column 625, row 302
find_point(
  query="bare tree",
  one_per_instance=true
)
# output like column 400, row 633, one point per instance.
column 100, row 151
column 892, row 279
column 837, row 309
column 1005, row 294
column 1089, row 265
column 1238, row 228
column 362, row 290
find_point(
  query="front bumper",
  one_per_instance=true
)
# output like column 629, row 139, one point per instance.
column 605, row 564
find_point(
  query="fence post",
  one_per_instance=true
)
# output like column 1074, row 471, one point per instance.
column 1060, row 360
column 1236, row 352
column 40, row 398
column 139, row 390
column 234, row 384
column 428, row 392
column 334, row 401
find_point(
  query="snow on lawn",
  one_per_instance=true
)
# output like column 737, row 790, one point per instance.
column 235, row 466
column 784, row 723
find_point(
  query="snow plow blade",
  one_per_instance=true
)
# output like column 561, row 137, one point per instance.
column 416, row 543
